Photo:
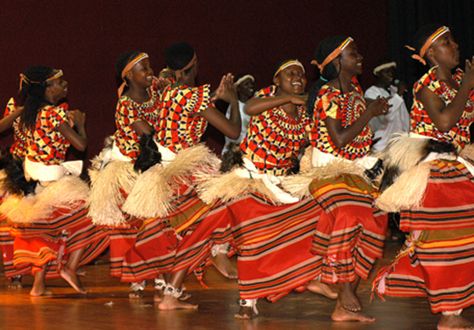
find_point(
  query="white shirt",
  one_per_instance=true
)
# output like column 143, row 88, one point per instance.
column 397, row 120
column 245, row 119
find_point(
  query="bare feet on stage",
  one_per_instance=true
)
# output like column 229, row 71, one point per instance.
column 40, row 292
column 169, row 303
column 323, row 289
column 454, row 322
column 347, row 298
column 245, row 313
column 340, row 314
column 70, row 276
column 224, row 266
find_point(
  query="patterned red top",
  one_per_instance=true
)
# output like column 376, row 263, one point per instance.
column 180, row 125
column 128, row 112
column 18, row 147
column 421, row 122
column 47, row 145
column 274, row 139
column 347, row 108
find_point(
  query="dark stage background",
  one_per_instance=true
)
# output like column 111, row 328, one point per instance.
column 85, row 37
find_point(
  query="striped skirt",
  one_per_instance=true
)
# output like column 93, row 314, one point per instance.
column 199, row 226
column 51, row 240
column 350, row 233
column 143, row 251
column 273, row 244
column 6, row 248
column 438, row 259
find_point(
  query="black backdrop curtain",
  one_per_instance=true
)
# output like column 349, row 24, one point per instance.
column 407, row 16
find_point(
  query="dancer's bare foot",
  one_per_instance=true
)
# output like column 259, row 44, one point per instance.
column 40, row 292
column 245, row 313
column 340, row 314
column 323, row 289
column 347, row 298
column 169, row 303
column 454, row 322
column 71, row 277
column 224, row 266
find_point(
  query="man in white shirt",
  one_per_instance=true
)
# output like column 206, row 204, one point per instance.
column 245, row 88
column 397, row 120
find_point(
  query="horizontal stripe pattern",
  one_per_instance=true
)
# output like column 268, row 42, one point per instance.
column 448, row 202
column 438, row 266
column 350, row 233
column 142, row 252
column 39, row 243
column 273, row 245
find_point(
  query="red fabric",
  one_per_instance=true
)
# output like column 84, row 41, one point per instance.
column 142, row 252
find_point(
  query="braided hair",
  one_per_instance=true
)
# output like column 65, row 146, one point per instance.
column 32, row 93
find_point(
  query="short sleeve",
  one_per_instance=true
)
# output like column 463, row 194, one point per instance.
column 126, row 114
column 56, row 116
column 372, row 93
column 200, row 99
column 266, row 92
column 10, row 108
column 330, row 106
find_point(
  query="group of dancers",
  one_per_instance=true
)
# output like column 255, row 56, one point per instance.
column 302, row 201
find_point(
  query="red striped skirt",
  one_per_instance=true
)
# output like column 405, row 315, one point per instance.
column 438, row 262
column 350, row 233
column 273, row 244
column 6, row 247
column 142, row 252
column 199, row 227
column 51, row 240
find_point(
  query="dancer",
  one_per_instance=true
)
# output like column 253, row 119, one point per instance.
column 141, row 248
column 434, row 190
column 53, row 235
column 350, row 233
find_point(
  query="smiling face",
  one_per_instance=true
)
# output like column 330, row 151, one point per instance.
column 444, row 51
column 141, row 74
column 291, row 80
column 350, row 60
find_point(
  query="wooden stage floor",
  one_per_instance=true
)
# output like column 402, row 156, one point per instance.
column 107, row 306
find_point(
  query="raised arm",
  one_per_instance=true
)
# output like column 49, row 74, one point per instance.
column 226, row 91
column 446, row 116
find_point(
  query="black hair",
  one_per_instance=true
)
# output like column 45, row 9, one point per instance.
column 422, row 35
column 32, row 92
column 15, row 182
column 232, row 158
column 329, row 72
column 149, row 154
column 121, row 63
column 178, row 55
